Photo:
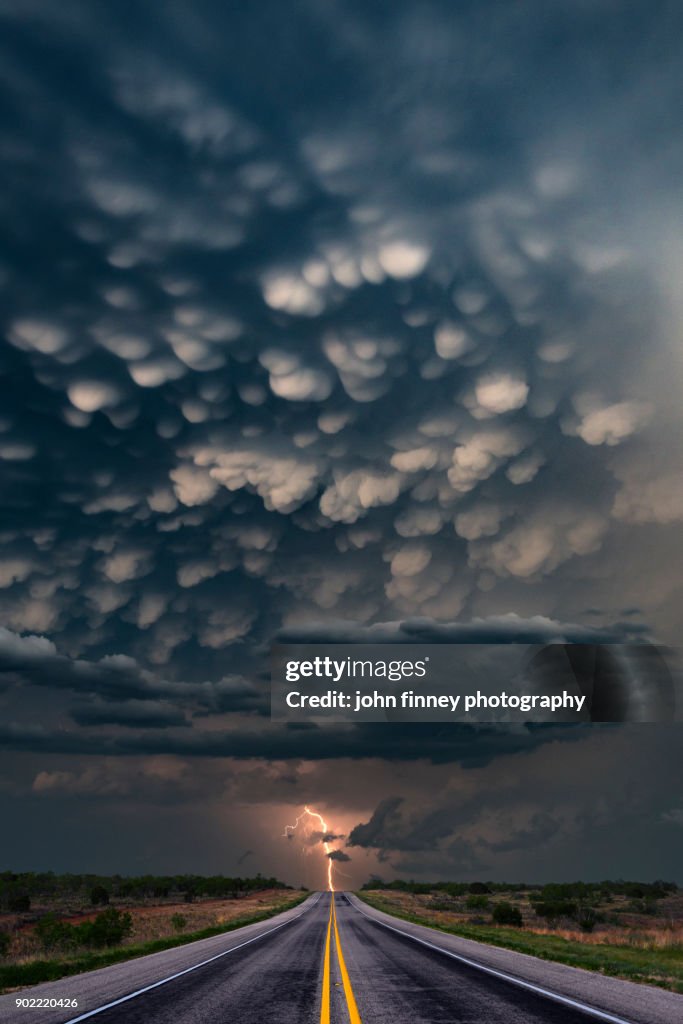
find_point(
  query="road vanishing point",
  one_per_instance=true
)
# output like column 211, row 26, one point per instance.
column 335, row 960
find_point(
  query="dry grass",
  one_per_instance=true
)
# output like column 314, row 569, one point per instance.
column 650, row 937
column 642, row 947
column 151, row 922
column 621, row 926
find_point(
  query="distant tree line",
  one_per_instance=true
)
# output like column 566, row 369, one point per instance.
column 19, row 889
column 555, row 892
column 603, row 891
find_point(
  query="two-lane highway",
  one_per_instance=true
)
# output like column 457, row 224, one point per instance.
column 336, row 961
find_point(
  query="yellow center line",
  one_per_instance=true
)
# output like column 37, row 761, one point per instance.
column 325, row 1002
column 354, row 1015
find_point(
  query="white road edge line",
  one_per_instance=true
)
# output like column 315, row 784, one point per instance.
column 188, row 970
column 538, row 989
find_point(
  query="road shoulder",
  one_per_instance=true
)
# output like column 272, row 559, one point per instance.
column 639, row 1004
column 106, row 984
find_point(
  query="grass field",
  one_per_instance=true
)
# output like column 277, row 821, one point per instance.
column 154, row 928
column 639, row 947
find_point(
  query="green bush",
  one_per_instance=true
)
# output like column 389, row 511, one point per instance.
column 108, row 929
column 55, row 934
column 5, row 942
column 553, row 909
column 506, row 913
column 477, row 902
column 587, row 918
column 179, row 922
column 99, row 896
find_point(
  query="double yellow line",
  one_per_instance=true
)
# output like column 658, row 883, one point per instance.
column 354, row 1016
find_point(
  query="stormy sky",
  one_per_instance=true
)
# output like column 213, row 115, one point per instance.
column 331, row 320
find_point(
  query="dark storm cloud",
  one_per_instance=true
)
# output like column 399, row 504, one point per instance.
column 116, row 691
column 372, row 832
column 34, row 661
column 338, row 855
column 134, row 714
column 325, row 837
column 509, row 628
column 325, row 322
column 442, row 744
column 302, row 347
column 566, row 811
column 541, row 828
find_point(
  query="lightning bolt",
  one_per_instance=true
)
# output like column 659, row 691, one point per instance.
column 326, row 846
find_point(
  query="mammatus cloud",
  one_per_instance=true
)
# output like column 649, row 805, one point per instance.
column 116, row 688
column 370, row 335
column 446, row 350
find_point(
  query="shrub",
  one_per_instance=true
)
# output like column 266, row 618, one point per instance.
column 477, row 902
column 506, row 913
column 443, row 905
column 178, row 921
column 5, row 942
column 552, row 909
column 18, row 902
column 99, row 896
column 54, row 933
column 587, row 918
column 479, row 888
column 108, row 929
column 453, row 889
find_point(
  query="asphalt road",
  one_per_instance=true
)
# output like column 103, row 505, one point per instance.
column 341, row 963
